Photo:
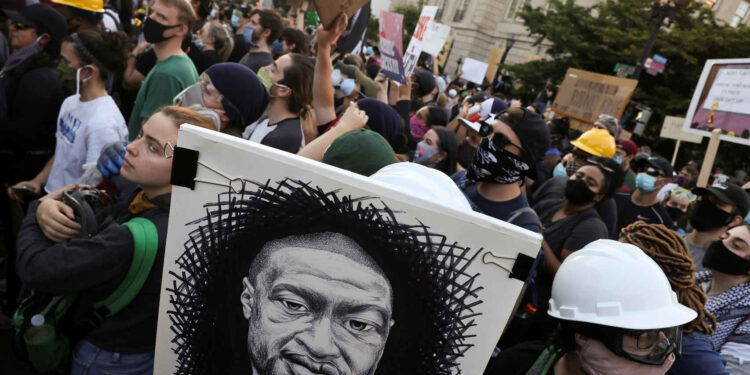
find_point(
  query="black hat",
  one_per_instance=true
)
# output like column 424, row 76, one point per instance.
column 657, row 162
column 533, row 132
column 245, row 10
column 425, row 80
column 43, row 18
column 728, row 193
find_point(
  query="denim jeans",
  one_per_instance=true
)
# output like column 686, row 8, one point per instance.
column 89, row 359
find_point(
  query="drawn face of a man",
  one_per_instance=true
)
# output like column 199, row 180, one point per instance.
column 313, row 311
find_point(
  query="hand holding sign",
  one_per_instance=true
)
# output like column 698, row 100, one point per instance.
column 327, row 36
column 328, row 10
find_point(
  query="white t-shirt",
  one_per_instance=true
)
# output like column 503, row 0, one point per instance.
column 83, row 128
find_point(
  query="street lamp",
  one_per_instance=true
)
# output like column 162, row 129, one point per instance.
column 508, row 45
column 660, row 11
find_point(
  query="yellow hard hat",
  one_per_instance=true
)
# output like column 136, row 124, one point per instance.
column 90, row 5
column 597, row 142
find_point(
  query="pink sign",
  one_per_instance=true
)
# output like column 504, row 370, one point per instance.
column 391, row 50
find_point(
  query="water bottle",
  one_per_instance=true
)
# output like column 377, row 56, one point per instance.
column 38, row 332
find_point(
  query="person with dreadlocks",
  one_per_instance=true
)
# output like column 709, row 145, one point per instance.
column 670, row 252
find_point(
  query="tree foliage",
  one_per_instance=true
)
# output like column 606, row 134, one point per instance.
column 597, row 38
column 411, row 17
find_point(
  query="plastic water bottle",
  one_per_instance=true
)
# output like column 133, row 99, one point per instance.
column 39, row 331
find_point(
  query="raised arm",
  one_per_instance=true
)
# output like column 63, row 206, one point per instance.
column 323, row 92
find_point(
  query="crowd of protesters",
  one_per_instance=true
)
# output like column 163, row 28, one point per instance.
column 93, row 92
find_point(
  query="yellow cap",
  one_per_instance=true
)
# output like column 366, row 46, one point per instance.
column 597, row 142
column 90, row 5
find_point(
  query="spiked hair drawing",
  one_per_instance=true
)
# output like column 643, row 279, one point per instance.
column 434, row 301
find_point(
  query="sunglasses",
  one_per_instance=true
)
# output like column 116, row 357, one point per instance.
column 501, row 140
column 651, row 172
column 20, row 26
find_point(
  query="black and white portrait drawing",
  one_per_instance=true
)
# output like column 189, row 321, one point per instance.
column 279, row 265
column 287, row 278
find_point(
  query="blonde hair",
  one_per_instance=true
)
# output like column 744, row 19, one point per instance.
column 223, row 43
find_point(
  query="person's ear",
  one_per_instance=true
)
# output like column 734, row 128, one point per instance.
column 43, row 39
column 94, row 70
column 737, row 220
column 440, row 156
column 246, row 298
column 291, row 46
column 283, row 92
column 392, row 322
column 598, row 198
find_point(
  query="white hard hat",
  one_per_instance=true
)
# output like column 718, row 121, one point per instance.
column 617, row 285
column 420, row 181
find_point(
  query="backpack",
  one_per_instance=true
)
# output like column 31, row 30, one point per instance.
column 44, row 326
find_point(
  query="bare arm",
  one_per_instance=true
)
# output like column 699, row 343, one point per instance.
column 301, row 15
column 131, row 78
column 353, row 119
column 323, row 92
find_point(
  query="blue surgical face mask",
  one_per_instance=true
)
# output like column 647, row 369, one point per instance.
column 199, row 43
column 248, row 35
column 235, row 21
column 747, row 218
column 370, row 51
column 618, row 160
column 277, row 47
column 560, row 171
column 336, row 78
column 645, row 182
column 347, row 86
column 213, row 13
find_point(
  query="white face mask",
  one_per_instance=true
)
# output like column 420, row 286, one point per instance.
column 78, row 78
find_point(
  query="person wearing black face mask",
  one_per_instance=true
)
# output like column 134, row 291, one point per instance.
column 502, row 161
column 165, row 28
column 721, row 206
column 726, row 281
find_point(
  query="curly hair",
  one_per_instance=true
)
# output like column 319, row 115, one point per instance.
column 669, row 250
column 434, row 297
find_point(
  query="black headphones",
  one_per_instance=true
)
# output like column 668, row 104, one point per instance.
column 89, row 210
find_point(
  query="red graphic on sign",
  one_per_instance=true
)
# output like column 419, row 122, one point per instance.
column 421, row 27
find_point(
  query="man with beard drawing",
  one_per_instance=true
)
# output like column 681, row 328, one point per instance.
column 316, row 304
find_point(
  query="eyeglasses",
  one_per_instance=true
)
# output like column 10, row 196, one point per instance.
column 210, row 91
column 167, row 146
column 651, row 172
column 644, row 346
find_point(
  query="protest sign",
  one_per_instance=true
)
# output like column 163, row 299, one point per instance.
column 391, row 51
column 416, row 45
column 442, row 58
column 274, row 249
column 437, row 36
column 474, row 70
column 329, row 9
column 585, row 95
column 721, row 100
column 672, row 129
column 496, row 54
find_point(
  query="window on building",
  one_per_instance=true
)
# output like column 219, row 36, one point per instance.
column 441, row 7
column 514, row 7
column 461, row 8
column 740, row 14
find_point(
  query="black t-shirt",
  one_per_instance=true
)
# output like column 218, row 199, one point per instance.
column 554, row 188
column 570, row 233
column 203, row 59
column 145, row 61
column 628, row 212
column 517, row 360
column 287, row 136
column 503, row 210
column 240, row 48
column 257, row 60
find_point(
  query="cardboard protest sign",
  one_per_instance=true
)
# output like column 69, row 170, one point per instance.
column 272, row 250
column 442, row 58
column 721, row 100
column 496, row 54
column 672, row 129
column 416, row 45
column 329, row 9
column 391, row 49
column 585, row 95
column 474, row 70
column 437, row 36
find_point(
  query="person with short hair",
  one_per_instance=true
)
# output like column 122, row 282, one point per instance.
column 166, row 27
column 294, row 40
column 267, row 25
column 240, row 18
column 80, row 15
column 624, row 155
column 719, row 207
column 643, row 204
column 50, row 262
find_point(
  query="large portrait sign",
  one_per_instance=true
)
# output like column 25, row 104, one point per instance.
column 276, row 264
column 721, row 100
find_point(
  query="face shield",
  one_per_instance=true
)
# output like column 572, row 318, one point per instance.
column 649, row 347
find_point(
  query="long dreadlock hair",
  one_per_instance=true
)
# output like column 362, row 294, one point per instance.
column 669, row 250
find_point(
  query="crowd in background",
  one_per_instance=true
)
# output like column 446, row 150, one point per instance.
column 94, row 92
